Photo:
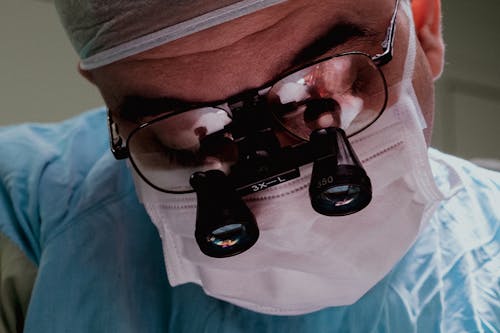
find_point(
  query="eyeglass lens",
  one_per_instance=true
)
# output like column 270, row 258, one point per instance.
column 347, row 92
column 169, row 151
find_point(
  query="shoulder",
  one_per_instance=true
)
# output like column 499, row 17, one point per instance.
column 31, row 147
column 45, row 174
column 465, row 228
column 471, row 195
column 459, row 172
column 470, row 191
column 453, row 266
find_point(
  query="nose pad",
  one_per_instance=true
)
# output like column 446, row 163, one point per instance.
column 339, row 184
column 225, row 226
column 322, row 113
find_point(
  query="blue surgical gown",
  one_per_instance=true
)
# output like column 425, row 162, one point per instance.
column 69, row 210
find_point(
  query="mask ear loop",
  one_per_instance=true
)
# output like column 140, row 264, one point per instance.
column 410, row 60
column 412, row 43
column 426, row 184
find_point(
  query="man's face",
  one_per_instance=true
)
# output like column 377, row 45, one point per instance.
column 248, row 52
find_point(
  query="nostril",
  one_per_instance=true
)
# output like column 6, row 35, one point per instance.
column 201, row 131
column 322, row 113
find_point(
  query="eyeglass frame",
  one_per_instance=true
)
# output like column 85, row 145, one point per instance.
column 121, row 151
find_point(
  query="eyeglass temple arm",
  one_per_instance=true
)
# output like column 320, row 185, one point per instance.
column 119, row 151
column 388, row 43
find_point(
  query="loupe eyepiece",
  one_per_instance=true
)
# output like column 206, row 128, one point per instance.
column 339, row 184
column 225, row 226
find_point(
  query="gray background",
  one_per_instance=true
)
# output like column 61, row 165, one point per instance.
column 468, row 94
column 39, row 80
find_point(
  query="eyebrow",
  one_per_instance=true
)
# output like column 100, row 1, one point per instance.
column 136, row 108
column 335, row 36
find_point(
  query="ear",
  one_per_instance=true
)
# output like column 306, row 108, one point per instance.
column 86, row 74
column 427, row 17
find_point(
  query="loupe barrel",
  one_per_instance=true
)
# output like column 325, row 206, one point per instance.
column 225, row 226
column 339, row 184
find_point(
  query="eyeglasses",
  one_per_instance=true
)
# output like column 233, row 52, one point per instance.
column 347, row 91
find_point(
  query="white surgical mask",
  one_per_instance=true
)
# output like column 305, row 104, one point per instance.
column 304, row 261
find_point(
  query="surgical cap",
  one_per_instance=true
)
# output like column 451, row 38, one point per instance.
column 104, row 31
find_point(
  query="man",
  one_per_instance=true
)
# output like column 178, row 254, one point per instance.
column 243, row 246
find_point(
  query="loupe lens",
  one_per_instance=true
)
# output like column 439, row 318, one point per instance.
column 348, row 192
column 225, row 226
column 341, row 195
column 228, row 235
column 339, row 184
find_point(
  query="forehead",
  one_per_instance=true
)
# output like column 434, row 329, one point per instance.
column 291, row 15
column 237, row 55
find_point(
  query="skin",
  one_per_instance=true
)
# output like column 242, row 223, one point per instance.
column 247, row 52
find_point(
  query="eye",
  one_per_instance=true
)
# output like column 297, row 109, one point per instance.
column 169, row 150
column 181, row 157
